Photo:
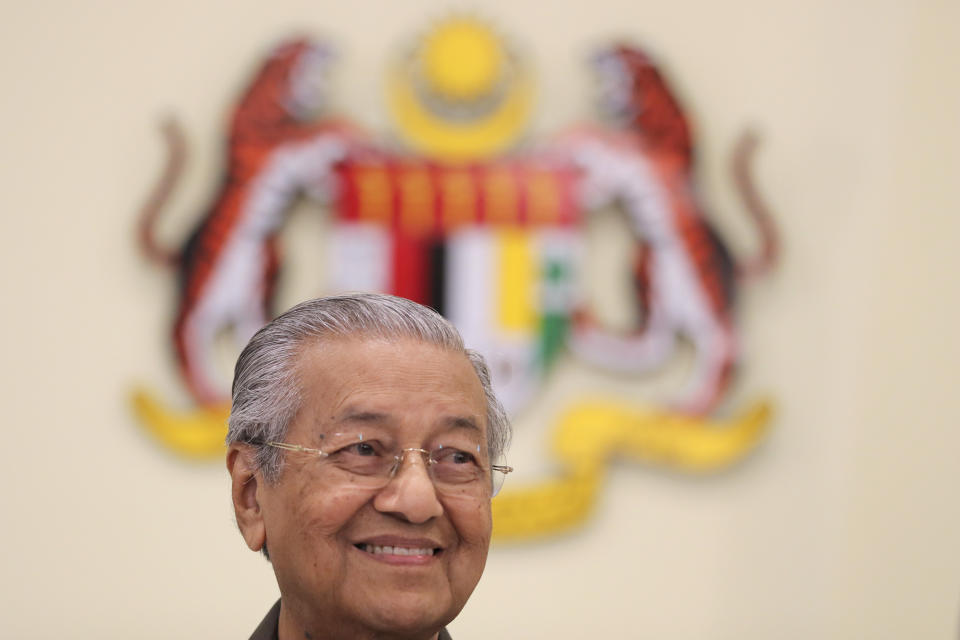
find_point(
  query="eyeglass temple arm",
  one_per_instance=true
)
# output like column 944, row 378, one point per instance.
column 295, row 447
column 502, row 468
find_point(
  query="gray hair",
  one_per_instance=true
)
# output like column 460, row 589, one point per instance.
column 266, row 388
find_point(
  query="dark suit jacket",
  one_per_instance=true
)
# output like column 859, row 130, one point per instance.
column 268, row 627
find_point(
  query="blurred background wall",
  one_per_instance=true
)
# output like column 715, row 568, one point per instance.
column 844, row 524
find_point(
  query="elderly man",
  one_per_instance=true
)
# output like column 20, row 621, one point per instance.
column 364, row 449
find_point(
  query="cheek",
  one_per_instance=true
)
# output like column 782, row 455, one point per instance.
column 473, row 523
column 310, row 533
column 325, row 512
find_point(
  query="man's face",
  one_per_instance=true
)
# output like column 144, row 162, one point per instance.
column 327, row 535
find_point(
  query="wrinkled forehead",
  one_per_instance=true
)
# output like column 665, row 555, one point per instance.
column 397, row 392
column 363, row 372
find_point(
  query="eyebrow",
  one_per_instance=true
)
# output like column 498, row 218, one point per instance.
column 365, row 417
column 468, row 423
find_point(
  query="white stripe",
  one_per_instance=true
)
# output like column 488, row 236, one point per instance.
column 469, row 298
column 360, row 256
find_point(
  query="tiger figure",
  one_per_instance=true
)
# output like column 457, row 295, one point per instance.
column 277, row 150
column 685, row 277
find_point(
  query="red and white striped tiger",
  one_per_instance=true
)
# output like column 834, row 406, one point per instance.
column 684, row 275
column 277, row 150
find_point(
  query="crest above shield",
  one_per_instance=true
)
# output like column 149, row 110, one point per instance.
column 461, row 92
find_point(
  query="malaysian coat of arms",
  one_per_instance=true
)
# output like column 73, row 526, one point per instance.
column 459, row 216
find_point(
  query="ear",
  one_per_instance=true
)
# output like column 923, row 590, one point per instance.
column 245, row 489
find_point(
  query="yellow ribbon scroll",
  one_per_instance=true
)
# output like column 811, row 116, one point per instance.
column 594, row 433
column 197, row 433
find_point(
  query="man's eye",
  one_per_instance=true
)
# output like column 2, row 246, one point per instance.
column 362, row 449
column 455, row 457
column 462, row 457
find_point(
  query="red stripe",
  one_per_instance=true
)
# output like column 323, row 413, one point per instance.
column 346, row 206
column 410, row 268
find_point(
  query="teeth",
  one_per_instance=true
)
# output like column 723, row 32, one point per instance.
column 396, row 551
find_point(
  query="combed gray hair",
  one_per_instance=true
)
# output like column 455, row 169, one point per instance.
column 267, row 391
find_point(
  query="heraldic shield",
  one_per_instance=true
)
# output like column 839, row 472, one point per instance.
column 491, row 237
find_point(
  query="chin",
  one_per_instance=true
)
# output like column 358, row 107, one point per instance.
column 412, row 612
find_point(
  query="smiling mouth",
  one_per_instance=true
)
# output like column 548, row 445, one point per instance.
column 376, row 549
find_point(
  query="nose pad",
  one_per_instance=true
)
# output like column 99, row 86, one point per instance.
column 402, row 471
column 409, row 493
column 400, row 459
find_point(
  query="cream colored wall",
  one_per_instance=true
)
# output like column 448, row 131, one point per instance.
column 845, row 524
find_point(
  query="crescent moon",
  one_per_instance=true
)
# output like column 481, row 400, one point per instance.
column 487, row 136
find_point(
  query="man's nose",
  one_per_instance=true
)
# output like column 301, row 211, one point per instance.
column 410, row 494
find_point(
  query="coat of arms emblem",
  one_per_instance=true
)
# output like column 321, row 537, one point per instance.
column 459, row 216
